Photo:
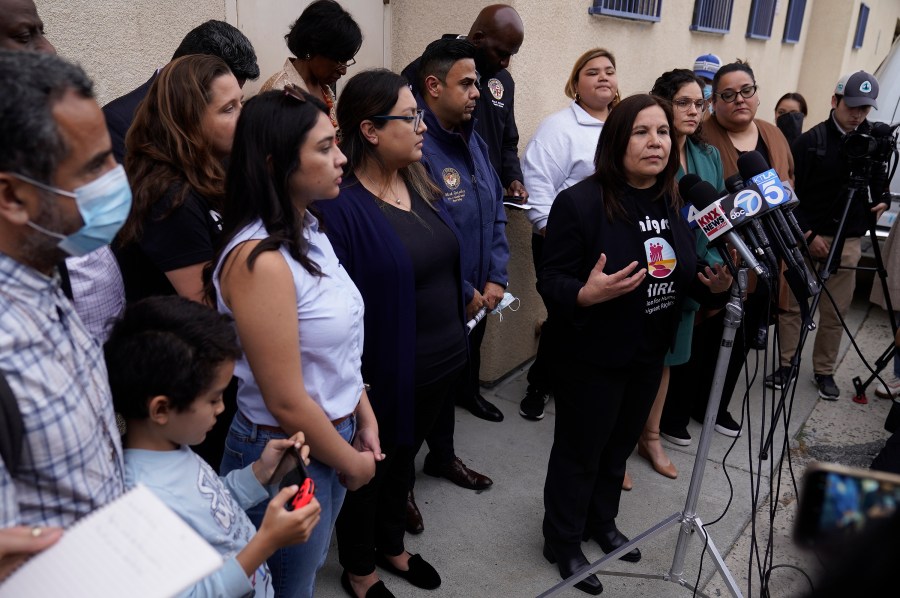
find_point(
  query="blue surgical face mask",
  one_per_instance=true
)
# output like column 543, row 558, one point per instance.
column 707, row 91
column 104, row 205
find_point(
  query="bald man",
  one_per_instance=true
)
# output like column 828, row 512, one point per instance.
column 21, row 28
column 497, row 34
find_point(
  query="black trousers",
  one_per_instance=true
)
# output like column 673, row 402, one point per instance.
column 539, row 374
column 440, row 440
column 600, row 413
column 373, row 517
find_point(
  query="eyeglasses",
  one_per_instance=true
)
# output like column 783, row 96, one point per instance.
column 415, row 120
column 344, row 65
column 729, row 96
column 292, row 90
column 684, row 104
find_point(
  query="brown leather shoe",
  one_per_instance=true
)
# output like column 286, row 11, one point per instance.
column 414, row 523
column 457, row 472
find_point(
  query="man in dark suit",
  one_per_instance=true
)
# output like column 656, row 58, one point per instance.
column 217, row 38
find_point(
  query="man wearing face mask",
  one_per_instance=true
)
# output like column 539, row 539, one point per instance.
column 61, row 193
column 706, row 67
column 92, row 281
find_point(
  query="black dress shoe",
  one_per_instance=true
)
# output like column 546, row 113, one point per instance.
column 378, row 590
column 420, row 573
column 480, row 407
column 611, row 540
column 569, row 562
column 457, row 472
column 414, row 523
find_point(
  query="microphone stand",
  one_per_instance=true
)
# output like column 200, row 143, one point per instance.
column 687, row 518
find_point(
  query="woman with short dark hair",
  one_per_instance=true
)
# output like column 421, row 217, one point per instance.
column 324, row 41
column 619, row 261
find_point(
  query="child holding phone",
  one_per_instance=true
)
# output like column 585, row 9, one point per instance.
column 169, row 360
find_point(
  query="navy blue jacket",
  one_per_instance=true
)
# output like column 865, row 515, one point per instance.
column 119, row 115
column 379, row 264
column 459, row 164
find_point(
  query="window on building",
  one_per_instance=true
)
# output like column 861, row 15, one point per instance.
column 641, row 10
column 794, row 21
column 861, row 26
column 712, row 16
column 762, row 14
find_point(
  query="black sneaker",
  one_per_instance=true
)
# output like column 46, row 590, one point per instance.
column 726, row 425
column 828, row 390
column 681, row 437
column 532, row 406
column 779, row 378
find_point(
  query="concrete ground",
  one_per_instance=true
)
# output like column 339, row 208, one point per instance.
column 489, row 543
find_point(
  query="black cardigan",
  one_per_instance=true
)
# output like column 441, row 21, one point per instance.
column 608, row 333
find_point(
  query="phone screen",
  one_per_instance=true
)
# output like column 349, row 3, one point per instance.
column 838, row 504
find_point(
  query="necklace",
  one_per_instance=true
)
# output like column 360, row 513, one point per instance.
column 368, row 178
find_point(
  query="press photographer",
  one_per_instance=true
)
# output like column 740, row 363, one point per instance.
column 825, row 157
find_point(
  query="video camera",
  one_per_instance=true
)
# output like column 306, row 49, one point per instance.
column 869, row 154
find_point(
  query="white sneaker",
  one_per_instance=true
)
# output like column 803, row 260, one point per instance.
column 892, row 390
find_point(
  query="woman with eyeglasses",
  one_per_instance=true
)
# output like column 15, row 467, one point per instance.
column 324, row 41
column 734, row 128
column 672, row 405
column 298, row 315
column 397, row 242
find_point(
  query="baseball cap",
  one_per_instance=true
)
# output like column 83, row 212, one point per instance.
column 858, row 89
column 707, row 65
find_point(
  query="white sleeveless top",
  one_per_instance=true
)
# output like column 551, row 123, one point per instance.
column 330, row 320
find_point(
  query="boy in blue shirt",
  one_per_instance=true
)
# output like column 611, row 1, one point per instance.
column 169, row 361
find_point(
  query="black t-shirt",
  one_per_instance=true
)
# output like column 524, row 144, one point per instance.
column 434, row 251
column 649, row 216
column 169, row 241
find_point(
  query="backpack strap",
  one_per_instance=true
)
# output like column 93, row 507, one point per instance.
column 819, row 134
column 12, row 428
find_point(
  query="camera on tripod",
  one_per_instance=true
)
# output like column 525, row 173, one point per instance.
column 869, row 153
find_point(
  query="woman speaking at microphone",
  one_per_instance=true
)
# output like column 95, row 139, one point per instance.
column 619, row 261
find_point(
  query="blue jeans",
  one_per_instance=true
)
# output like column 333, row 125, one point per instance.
column 294, row 567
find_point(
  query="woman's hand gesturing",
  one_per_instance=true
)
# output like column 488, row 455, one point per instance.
column 602, row 287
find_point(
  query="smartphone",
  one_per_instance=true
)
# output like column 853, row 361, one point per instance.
column 838, row 502
column 291, row 470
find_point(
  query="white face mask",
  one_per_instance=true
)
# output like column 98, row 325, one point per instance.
column 507, row 300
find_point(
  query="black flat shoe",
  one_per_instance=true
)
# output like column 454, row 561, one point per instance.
column 570, row 561
column 420, row 574
column 378, row 590
column 611, row 540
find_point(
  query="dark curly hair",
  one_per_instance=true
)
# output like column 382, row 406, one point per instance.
column 667, row 86
column 326, row 29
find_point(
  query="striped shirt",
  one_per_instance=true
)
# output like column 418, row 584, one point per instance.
column 72, row 455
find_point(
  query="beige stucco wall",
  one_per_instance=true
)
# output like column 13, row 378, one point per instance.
column 120, row 42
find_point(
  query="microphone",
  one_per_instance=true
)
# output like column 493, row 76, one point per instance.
column 759, row 176
column 709, row 214
column 752, row 204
